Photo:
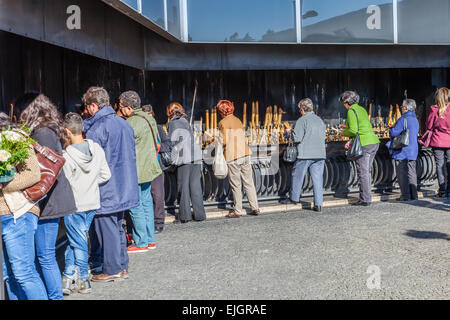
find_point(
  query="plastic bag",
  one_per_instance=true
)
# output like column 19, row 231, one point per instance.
column 220, row 166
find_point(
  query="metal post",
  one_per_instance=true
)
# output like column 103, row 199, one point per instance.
column 166, row 22
column 395, row 20
column 2, row 284
column 298, row 20
column 184, row 21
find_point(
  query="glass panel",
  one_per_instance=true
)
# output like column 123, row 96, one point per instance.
column 154, row 10
column 424, row 21
column 241, row 21
column 132, row 3
column 173, row 17
column 347, row 21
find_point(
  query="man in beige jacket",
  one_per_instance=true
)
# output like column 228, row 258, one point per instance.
column 238, row 156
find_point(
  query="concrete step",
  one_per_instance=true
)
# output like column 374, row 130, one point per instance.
column 308, row 204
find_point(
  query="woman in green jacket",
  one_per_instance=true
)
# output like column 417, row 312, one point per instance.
column 358, row 119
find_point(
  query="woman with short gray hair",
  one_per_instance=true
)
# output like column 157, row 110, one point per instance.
column 358, row 122
column 349, row 97
column 405, row 158
column 306, row 105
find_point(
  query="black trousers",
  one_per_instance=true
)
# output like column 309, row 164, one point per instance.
column 442, row 159
column 108, row 244
column 158, row 196
column 190, row 190
column 407, row 178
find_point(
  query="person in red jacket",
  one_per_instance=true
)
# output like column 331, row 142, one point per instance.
column 438, row 122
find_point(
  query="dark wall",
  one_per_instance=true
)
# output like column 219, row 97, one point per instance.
column 64, row 75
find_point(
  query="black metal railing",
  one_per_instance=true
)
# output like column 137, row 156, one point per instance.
column 340, row 177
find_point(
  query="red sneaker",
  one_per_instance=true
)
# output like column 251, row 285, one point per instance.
column 133, row 249
column 152, row 246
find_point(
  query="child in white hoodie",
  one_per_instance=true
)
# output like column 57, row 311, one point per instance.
column 85, row 168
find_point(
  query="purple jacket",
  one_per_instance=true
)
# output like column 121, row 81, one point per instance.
column 440, row 126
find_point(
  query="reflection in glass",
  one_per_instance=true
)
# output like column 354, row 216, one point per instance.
column 154, row 10
column 241, row 21
column 173, row 17
column 347, row 21
column 424, row 21
column 132, row 3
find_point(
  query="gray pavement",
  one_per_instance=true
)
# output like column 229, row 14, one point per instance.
column 336, row 254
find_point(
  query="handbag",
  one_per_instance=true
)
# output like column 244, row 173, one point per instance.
column 51, row 164
column 401, row 140
column 425, row 140
column 166, row 158
column 356, row 151
column 220, row 166
column 291, row 152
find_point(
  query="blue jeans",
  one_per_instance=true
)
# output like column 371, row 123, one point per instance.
column 45, row 238
column 143, row 217
column 316, row 167
column 77, row 252
column 19, row 268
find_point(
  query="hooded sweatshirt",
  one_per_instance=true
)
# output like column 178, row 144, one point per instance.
column 85, row 173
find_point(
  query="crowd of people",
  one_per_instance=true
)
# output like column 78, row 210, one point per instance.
column 114, row 171
column 309, row 136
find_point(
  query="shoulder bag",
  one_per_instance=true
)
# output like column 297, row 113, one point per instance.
column 356, row 151
column 425, row 140
column 51, row 164
column 291, row 152
column 401, row 140
column 220, row 166
column 157, row 145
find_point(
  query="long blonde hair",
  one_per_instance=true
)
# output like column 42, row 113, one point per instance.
column 443, row 100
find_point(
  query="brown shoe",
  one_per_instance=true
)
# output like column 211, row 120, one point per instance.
column 255, row 213
column 232, row 215
column 107, row 277
column 124, row 274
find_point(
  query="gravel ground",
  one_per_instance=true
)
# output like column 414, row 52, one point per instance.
column 293, row 256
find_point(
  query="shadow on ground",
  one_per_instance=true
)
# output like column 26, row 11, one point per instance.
column 427, row 235
column 445, row 206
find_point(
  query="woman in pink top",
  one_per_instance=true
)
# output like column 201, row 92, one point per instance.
column 439, row 122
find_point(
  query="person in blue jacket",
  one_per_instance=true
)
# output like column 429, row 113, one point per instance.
column 121, row 192
column 406, row 157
